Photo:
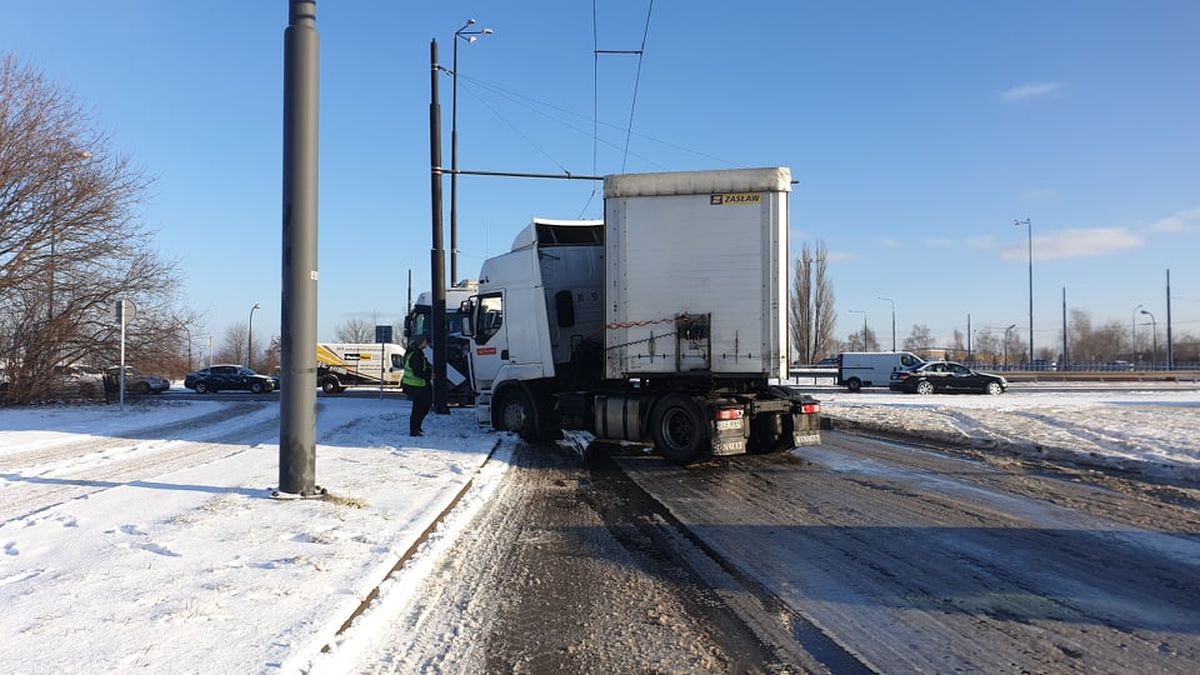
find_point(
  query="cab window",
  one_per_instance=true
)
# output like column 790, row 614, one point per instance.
column 491, row 317
column 907, row 361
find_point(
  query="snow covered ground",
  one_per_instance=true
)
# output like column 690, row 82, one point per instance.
column 180, row 560
column 149, row 540
column 1146, row 430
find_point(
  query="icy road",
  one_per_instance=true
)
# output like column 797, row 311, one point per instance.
column 151, row 544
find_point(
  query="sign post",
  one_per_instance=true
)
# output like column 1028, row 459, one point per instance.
column 383, row 335
column 125, row 311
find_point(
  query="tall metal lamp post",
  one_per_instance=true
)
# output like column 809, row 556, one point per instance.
column 250, row 339
column 1006, row 332
column 1133, row 333
column 893, row 320
column 469, row 36
column 1029, row 224
column 1154, row 331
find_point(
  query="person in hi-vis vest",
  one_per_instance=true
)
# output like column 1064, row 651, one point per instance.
column 417, row 375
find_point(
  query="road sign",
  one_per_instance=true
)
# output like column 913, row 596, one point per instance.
column 383, row 333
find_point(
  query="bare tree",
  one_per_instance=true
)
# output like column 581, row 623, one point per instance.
column 70, row 245
column 863, row 341
column 986, row 348
column 812, row 316
column 233, row 344
column 920, row 338
column 355, row 329
column 801, row 301
column 824, row 315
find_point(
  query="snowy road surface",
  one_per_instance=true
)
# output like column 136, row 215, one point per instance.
column 917, row 562
column 147, row 540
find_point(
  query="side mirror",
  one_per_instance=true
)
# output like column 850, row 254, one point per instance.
column 407, row 328
column 564, row 307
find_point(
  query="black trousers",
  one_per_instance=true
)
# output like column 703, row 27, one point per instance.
column 422, row 401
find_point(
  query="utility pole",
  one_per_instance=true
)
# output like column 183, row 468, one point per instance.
column 298, row 335
column 1170, row 351
column 968, row 337
column 1063, row 365
column 438, row 254
column 1029, row 224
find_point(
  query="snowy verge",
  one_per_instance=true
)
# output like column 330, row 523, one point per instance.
column 1150, row 433
column 200, row 570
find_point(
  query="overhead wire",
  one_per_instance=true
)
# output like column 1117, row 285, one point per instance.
column 516, row 100
column 515, row 95
column 636, row 83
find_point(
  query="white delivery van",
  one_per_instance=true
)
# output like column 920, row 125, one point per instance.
column 872, row 369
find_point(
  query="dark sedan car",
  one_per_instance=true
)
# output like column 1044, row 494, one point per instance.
column 222, row 377
column 946, row 377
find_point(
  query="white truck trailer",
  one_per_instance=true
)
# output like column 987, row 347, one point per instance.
column 666, row 322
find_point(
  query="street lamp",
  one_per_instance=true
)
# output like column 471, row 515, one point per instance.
column 1029, row 224
column 469, row 36
column 1006, row 331
column 864, row 333
column 250, row 339
column 1133, row 333
column 893, row 320
column 1154, row 330
column 209, row 336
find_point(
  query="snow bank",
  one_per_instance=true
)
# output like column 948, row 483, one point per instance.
column 1153, row 433
column 201, row 570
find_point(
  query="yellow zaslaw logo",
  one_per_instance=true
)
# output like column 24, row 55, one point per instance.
column 735, row 198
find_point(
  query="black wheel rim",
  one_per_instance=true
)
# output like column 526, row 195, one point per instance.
column 678, row 429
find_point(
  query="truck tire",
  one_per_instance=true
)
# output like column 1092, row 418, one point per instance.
column 680, row 429
column 854, row 384
column 515, row 413
column 330, row 385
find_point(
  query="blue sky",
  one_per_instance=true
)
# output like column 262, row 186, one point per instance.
column 918, row 132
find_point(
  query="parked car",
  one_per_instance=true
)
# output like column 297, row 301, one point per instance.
column 947, row 377
column 78, row 381
column 872, row 369
column 227, row 376
column 139, row 383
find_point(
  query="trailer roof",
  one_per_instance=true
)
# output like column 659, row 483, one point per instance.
column 773, row 179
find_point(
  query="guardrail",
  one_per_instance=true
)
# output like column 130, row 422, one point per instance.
column 1052, row 375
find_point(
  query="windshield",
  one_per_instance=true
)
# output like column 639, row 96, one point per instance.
column 422, row 325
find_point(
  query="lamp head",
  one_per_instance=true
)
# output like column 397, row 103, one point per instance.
column 487, row 31
column 471, row 39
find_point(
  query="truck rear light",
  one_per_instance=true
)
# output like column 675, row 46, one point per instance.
column 730, row 413
column 810, row 408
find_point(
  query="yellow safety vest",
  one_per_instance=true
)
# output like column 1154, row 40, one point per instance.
column 410, row 378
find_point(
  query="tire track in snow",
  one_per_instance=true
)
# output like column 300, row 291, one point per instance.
column 75, row 448
column 27, row 495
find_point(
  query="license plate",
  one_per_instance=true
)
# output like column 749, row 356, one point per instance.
column 724, row 425
column 729, row 448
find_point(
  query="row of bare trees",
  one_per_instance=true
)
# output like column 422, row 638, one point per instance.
column 71, row 245
column 812, row 316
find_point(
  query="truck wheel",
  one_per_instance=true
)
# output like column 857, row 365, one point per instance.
column 515, row 413
column 854, row 384
column 330, row 385
column 681, row 432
